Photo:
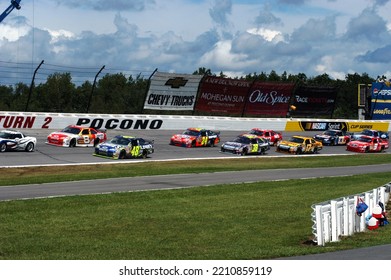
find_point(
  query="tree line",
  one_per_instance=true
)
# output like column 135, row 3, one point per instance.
column 116, row 94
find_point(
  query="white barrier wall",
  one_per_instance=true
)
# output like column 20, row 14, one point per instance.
column 54, row 121
column 335, row 218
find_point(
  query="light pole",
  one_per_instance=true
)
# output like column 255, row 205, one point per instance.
column 31, row 86
column 93, row 87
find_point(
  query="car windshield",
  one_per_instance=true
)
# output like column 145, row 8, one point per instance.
column 72, row 130
column 191, row 132
column 119, row 140
column 330, row 132
column 296, row 140
column 241, row 139
column 367, row 132
column 5, row 135
column 364, row 139
column 257, row 132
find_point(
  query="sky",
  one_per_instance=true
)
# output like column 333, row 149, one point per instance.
column 236, row 37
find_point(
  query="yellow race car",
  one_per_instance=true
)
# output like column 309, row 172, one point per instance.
column 299, row 145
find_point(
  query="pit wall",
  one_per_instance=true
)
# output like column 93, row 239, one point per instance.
column 55, row 121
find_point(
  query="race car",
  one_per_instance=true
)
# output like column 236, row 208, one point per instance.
column 12, row 140
column 333, row 137
column 196, row 137
column 299, row 145
column 77, row 136
column 123, row 146
column 272, row 136
column 246, row 144
column 367, row 144
column 372, row 133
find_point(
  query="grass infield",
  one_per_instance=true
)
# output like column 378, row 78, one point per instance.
column 264, row 220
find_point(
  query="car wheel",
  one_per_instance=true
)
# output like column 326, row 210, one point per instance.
column 366, row 150
column 96, row 141
column 244, row 152
column 29, row 147
column 298, row 151
column 212, row 143
column 193, row 144
column 315, row 150
column 72, row 144
column 382, row 149
column 122, row 155
column 145, row 154
column 3, row 147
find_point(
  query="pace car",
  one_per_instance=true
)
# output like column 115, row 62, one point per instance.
column 12, row 140
column 123, row 146
column 246, row 144
column 333, row 137
column 196, row 137
column 272, row 136
column 74, row 135
column 299, row 145
column 367, row 144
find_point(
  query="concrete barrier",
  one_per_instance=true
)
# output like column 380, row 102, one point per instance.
column 55, row 121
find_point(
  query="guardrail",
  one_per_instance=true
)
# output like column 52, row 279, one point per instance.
column 335, row 218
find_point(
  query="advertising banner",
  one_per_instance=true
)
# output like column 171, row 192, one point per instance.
column 269, row 99
column 169, row 91
column 381, row 101
column 312, row 101
column 222, row 95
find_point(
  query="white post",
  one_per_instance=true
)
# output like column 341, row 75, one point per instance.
column 319, row 225
column 334, row 221
column 327, row 229
column 345, row 216
column 382, row 191
column 352, row 214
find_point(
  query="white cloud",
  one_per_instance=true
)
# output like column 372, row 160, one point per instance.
column 302, row 36
column 267, row 34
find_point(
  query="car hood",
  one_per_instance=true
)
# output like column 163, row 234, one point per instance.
column 183, row 136
column 110, row 146
column 233, row 144
column 358, row 143
column 61, row 134
column 323, row 136
column 288, row 143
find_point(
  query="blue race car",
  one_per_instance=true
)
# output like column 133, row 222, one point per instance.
column 122, row 146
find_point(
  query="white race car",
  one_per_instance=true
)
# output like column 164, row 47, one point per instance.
column 11, row 140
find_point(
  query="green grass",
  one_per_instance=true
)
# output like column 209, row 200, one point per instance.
column 263, row 220
column 34, row 175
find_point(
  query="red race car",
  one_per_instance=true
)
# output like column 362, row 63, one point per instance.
column 272, row 136
column 367, row 144
column 196, row 137
column 74, row 135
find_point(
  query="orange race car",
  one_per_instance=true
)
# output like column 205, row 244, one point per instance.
column 196, row 137
column 74, row 135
